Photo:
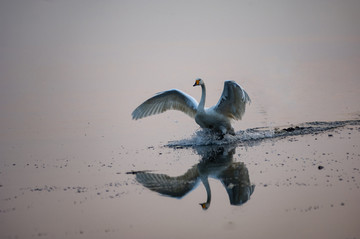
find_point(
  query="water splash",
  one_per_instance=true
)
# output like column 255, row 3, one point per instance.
column 204, row 137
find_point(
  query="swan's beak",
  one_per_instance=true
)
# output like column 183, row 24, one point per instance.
column 204, row 206
column 197, row 82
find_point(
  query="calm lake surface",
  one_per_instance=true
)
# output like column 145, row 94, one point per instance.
column 73, row 164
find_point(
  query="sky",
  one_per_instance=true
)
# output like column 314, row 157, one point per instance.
column 63, row 62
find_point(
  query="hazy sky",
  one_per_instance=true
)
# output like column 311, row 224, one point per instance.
column 67, row 60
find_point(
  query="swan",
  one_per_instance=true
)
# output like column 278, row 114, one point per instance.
column 231, row 106
column 216, row 163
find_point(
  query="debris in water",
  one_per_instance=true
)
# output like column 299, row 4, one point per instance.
column 136, row 172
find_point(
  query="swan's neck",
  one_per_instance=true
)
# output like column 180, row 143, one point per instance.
column 205, row 181
column 203, row 96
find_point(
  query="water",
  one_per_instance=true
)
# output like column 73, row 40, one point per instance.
column 73, row 164
column 205, row 137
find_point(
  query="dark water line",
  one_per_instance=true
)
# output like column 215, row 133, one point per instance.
column 255, row 135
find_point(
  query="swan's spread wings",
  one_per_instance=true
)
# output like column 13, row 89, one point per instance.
column 232, row 101
column 166, row 100
column 237, row 183
column 170, row 186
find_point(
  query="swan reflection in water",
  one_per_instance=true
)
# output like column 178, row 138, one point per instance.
column 217, row 162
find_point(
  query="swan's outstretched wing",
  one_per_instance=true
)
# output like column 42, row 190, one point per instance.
column 169, row 186
column 166, row 100
column 237, row 183
column 232, row 101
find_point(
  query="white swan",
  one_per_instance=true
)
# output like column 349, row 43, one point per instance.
column 217, row 163
column 217, row 118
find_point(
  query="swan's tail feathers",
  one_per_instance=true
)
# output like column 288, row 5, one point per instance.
column 166, row 100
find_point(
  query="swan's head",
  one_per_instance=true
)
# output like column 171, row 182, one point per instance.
column 198, row 82
column 205, row 205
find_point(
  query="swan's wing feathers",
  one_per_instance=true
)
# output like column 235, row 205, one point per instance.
column 237, row 183
column 233, row 101
column 166, row 100
column 170, row 186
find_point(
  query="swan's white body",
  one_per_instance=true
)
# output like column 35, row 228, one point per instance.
column 217, row 118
